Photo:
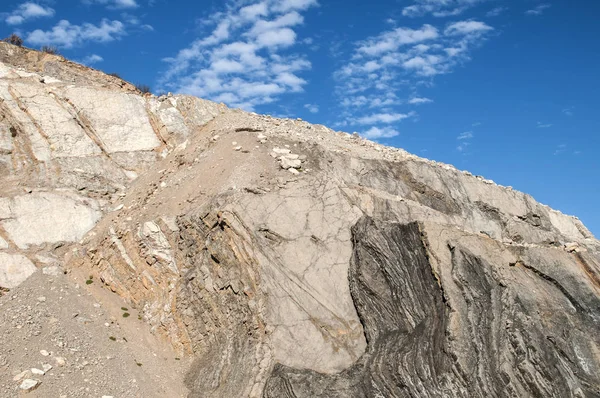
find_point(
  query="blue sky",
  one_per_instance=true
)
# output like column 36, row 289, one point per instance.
column 505, row 89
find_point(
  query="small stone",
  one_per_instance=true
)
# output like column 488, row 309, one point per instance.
column 52, row 270
column 38, row 372
column 293, row 171
column 60, row 361
column 29, row 385
column 234, row 143
column 119, row 207
column 41, row 299
column 46, row 367
column 238, row 148
column 281, row 151
column 21, row 375
column 290, row 163
column 44, row 353
column 261, row 137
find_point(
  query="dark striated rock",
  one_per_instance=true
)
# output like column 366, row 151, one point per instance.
column 515, row 350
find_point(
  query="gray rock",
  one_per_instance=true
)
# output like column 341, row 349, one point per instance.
column 29, row 385
column 14, row 269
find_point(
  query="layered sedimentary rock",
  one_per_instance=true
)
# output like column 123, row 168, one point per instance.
column 291, row 260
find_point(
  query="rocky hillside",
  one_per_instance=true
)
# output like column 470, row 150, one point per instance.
column 268, row 257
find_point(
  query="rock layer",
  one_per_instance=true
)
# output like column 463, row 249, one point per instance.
column 288, row 259
column 492, row 338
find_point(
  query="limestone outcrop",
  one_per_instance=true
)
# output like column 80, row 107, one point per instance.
column 290, row 260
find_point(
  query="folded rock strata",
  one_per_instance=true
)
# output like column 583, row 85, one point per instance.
column 358, row 270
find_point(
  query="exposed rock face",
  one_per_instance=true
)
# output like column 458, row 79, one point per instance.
column 474, row 329
column 291, row 260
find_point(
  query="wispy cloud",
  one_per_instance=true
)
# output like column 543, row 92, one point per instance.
column 560, row 149
column 465, row 136
column 568, row 111
column 246, row 60
column 419, row 101
column 464, row 141
column 539, row 10
column 384, row 118
column 312, row 108
column 399, row 59
column 495, row 12
column 375, row 133
column 28, row 11
column 92, row 59
column 439, row 8
column 67, row 35
column 114, row 4
column 541, row 125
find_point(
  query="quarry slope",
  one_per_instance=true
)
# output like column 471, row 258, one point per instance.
column 277, row 258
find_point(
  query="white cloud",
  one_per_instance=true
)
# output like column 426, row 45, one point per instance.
column 560, row 149
column 385, row 118
column 64, row 34
column 276, row 38
column 92, row 59
column 290, row 80
column 439, row 8
column 568, row 111
column 467, row 135
column 541, row 125
column 376, row 132
column 424, row 66
column 251, row 42
column 392, row 40
column 383, row 66
column 114, row 4
column 28, row 11
column 495, row 12
column 419, row 100
column 466, row 27
column 539, row 10
column 462, row 147
column 287, row 5
column 312, row 108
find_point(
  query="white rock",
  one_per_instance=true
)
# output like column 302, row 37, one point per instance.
column 121, row 123
column 238, row 148
column 44, row 353
column 290, row 163
column 261, row 137
column 37, row 371
column 46, row 367
column 294, row 171
column 52, row 270
column 14, row 269
column 41, row 299
column 60, row 361
column 29, row 385
column 46, row 217
column 21, row 375
column 281, row 151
